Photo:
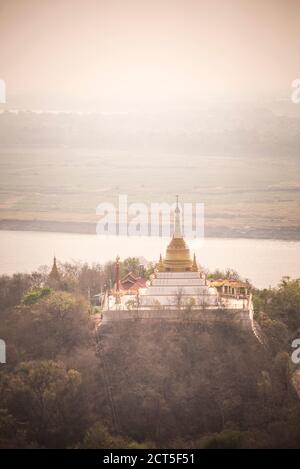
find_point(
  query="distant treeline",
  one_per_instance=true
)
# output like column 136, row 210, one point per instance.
column 204, row 132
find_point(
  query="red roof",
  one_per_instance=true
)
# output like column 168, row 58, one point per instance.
column 131, row 282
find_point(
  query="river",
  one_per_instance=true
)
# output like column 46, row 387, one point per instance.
column 264, row 262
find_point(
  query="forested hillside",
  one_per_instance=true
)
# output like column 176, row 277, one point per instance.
column 142, row 383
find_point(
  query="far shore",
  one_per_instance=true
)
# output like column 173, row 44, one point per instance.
column 287, row 233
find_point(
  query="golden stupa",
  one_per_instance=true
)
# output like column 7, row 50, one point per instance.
column 178, row 257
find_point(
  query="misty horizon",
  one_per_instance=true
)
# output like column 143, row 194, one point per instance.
column 107, row 56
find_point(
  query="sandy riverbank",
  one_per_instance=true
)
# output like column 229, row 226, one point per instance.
column 287, row 233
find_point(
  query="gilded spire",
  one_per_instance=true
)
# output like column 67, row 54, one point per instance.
column 178, row 257
column 177, row 230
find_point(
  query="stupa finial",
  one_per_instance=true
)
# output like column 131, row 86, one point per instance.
column 177, row 230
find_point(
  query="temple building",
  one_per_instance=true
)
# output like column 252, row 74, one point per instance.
column 177, row 283
column 54, row 279
column 130, row 283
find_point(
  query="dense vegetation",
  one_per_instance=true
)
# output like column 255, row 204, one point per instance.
column 151, row 384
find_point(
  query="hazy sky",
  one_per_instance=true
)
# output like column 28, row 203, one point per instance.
column 71, row 53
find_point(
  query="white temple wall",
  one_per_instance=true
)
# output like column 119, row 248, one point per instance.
column 209, row 316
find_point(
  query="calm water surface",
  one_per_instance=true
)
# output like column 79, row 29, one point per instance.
column 264, row 262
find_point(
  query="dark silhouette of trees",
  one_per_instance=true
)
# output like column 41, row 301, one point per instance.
column 142, row 383
column 47, row 399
